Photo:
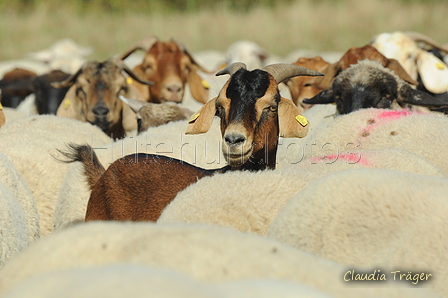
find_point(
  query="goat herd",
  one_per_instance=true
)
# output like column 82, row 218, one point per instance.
column 321, row 176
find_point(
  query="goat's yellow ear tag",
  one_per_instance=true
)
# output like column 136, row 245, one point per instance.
column 67, row 103
column 129, row 80
column 440, row 65
column 302, row 120
column 193, row 118
column 205, row 84
column 1, row 107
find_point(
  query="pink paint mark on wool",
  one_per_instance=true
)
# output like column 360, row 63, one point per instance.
column 350, row 158
column 395, row 114
column 385, row 117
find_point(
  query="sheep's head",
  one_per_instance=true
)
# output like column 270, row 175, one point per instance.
column 253, row 114
column 96, row 87
column 370, row 85
column 170, row 66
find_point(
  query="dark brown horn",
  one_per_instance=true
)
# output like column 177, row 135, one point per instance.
column 415, row 36
column 126, row 69
column 284, row 71
column 184, row 49
column 144, row 45
column 71, row 79
column 231, row 69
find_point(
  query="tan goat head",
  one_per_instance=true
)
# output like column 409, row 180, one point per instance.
column 170, row 66
column 94, row 96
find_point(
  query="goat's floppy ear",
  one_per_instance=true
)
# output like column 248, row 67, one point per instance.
column 396, row 67
column 323, row 97
column 416, row 97
column 294, row 90
column 202, row 120
column 433, row 71
column 292, row 124
column 199, row 87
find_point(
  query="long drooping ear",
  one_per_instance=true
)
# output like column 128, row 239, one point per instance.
column 2, row 116
column 201, row 121
column 199, row 88
column 292, row 124
column 70, row 106
column 330, row 73
column 433, row 71
column 416, row 97
column 396, row 67
column 293, row 89
column 323, row 97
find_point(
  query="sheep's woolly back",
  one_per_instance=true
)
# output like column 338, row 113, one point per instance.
column 367, row 71
column 205, row 253
column 170, row 140
column 13, row 180
column 12, row 114
column 420, row 133
column 254, row 199
column 14, row 233
column 31, row 145
column 136, row 281
column 396, row 221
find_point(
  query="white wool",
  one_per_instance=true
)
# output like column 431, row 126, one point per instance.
column 391, row 220
column 420, row 133
column 14, row 233
column 13, row 181
column 205, row 253
column 128, row 280
column 250, row 201
column 12, row 114
column 31, row 144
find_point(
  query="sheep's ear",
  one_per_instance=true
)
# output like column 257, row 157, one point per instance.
column 416, row 97
column 201, row 121
column 199, row 87
column 323, row 97
column 433, row 71
column 292, row 124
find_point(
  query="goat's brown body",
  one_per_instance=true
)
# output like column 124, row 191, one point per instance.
column 134, row 187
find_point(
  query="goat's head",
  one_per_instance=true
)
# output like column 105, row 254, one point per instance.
column 170, row 66
column 96, row 87
column 253, row 114
column 368, row 84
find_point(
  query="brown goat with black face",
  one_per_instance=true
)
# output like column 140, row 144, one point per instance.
column 253, row 116
column 170, row 66
column 94, row 96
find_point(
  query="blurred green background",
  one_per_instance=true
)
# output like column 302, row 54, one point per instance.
column 280, row 26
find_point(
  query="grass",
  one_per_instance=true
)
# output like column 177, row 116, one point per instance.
column 321, row 25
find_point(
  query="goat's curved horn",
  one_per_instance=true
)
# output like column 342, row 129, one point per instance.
column 284, row 71
column 184, row 49
column 231, row 69
column 71, row 79
column 125, row 68
column 415, row 36
column 144, row 45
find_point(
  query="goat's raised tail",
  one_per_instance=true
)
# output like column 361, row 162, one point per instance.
column 84, row 153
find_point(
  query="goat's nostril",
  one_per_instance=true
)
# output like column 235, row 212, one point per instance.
column 234, row 139
column 174, row 88
column 100, row 110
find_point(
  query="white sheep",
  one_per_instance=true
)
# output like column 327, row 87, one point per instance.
column 12, row 114
column 13, row 180
column 392, row 220
column 205, row 253
column 201, row 150
column 31, row 145
column 129, row 280
column 420, row 133
column 249, row 202
column 14, row 233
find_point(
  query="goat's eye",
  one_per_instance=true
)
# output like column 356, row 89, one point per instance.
column 307, row 85
column 271, row 109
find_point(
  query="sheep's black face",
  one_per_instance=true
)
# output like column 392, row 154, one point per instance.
column 351, row 96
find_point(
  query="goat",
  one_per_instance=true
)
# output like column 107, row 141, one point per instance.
column 47, row 98
column 12, row 98
column 302, row 87
column 93, row 96
column 368, row 84
column 253, row 115
column 155, row 114
column 170, row 66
